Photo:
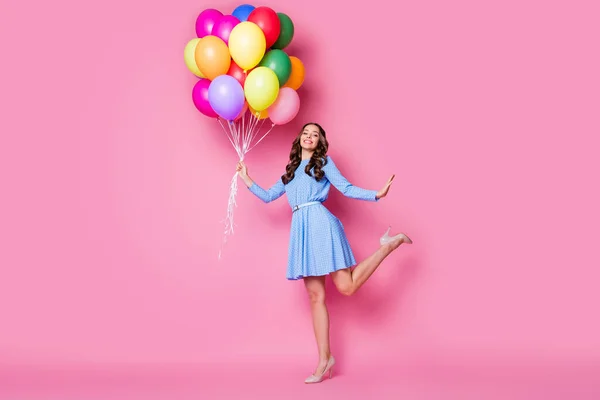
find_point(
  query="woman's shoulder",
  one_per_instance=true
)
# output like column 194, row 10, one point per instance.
column 327, row 159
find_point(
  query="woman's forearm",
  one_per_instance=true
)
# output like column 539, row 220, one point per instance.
column 247, row 180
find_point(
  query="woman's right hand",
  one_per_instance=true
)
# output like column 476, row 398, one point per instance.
column 242, row 171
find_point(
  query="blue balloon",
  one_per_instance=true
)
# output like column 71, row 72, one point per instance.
column 242, row 12
column 226, row 96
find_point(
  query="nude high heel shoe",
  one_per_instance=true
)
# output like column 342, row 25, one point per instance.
column 319, row 378
column 386, row 238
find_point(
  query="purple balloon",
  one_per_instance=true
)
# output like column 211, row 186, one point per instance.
column 226, row 96
column 206, row 20
column 223, row 26
column 200, row 98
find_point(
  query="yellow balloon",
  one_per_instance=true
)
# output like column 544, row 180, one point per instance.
column 261, row 88
column 247, row 44
column 189, row 56
column 259, row 114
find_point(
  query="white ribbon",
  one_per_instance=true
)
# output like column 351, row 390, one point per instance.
column 241, row 134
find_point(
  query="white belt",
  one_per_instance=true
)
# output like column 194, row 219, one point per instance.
column 299, row 206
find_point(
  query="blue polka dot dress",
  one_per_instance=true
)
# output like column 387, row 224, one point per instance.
column 318, row 244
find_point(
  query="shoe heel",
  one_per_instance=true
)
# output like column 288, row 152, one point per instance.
column 387, row 232
column 330, row 373
column 385, row 237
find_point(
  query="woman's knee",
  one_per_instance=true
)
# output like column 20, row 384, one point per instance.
column 315, row 287
column 346, row 288
column 343, row 282
column 316, row 296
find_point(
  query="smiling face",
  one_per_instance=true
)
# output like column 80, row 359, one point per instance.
column 310, row 144
column 309, row 138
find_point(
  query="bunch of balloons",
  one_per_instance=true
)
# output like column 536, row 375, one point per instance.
column 242, row 65
column 246, row 76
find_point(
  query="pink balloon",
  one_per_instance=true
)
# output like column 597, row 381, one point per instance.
column 200, row 98
column 206, row 20
column 223, row 26
column 286, row 106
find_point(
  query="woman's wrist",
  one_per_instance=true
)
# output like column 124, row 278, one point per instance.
column 248, row 181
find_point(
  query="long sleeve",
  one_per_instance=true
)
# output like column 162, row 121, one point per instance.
column 333, row 174
column 274, row 192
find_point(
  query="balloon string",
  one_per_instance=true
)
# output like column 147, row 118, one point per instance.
column 245, row 140
column 244, row 121
column 233, row 137
column 236, row 137
column 252, row 122
column 246, row 137
column 225, row 130
column 231, row 204
column 262, row 122
column 260, row 140
column 241, row 134
column 255, row 128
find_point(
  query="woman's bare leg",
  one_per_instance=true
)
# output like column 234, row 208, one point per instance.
column 315, row 286
column 348, row 281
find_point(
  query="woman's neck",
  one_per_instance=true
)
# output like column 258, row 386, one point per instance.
column 306, row 155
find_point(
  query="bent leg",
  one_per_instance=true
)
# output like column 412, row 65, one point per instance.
column 348, row 281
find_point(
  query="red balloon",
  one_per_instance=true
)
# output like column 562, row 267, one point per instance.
column 237, row 73
column 268, row 21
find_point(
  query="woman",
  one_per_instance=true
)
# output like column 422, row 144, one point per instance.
column 318, row 245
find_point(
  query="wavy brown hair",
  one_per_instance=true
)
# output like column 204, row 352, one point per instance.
column 317, row 161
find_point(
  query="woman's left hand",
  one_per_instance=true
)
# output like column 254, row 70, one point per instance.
column 383, row 192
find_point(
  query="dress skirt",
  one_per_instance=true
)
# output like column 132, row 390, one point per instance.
column 318, row 243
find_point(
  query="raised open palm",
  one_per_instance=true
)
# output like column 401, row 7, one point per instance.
column 383, row 192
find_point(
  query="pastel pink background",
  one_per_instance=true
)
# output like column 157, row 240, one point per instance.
column 114, row 188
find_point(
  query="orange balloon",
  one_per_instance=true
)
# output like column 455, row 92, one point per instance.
column 297, row 75
column 212, row 57
column 260, row 115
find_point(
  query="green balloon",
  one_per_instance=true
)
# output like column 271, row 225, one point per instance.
column 280, row 63
column 286, row 32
